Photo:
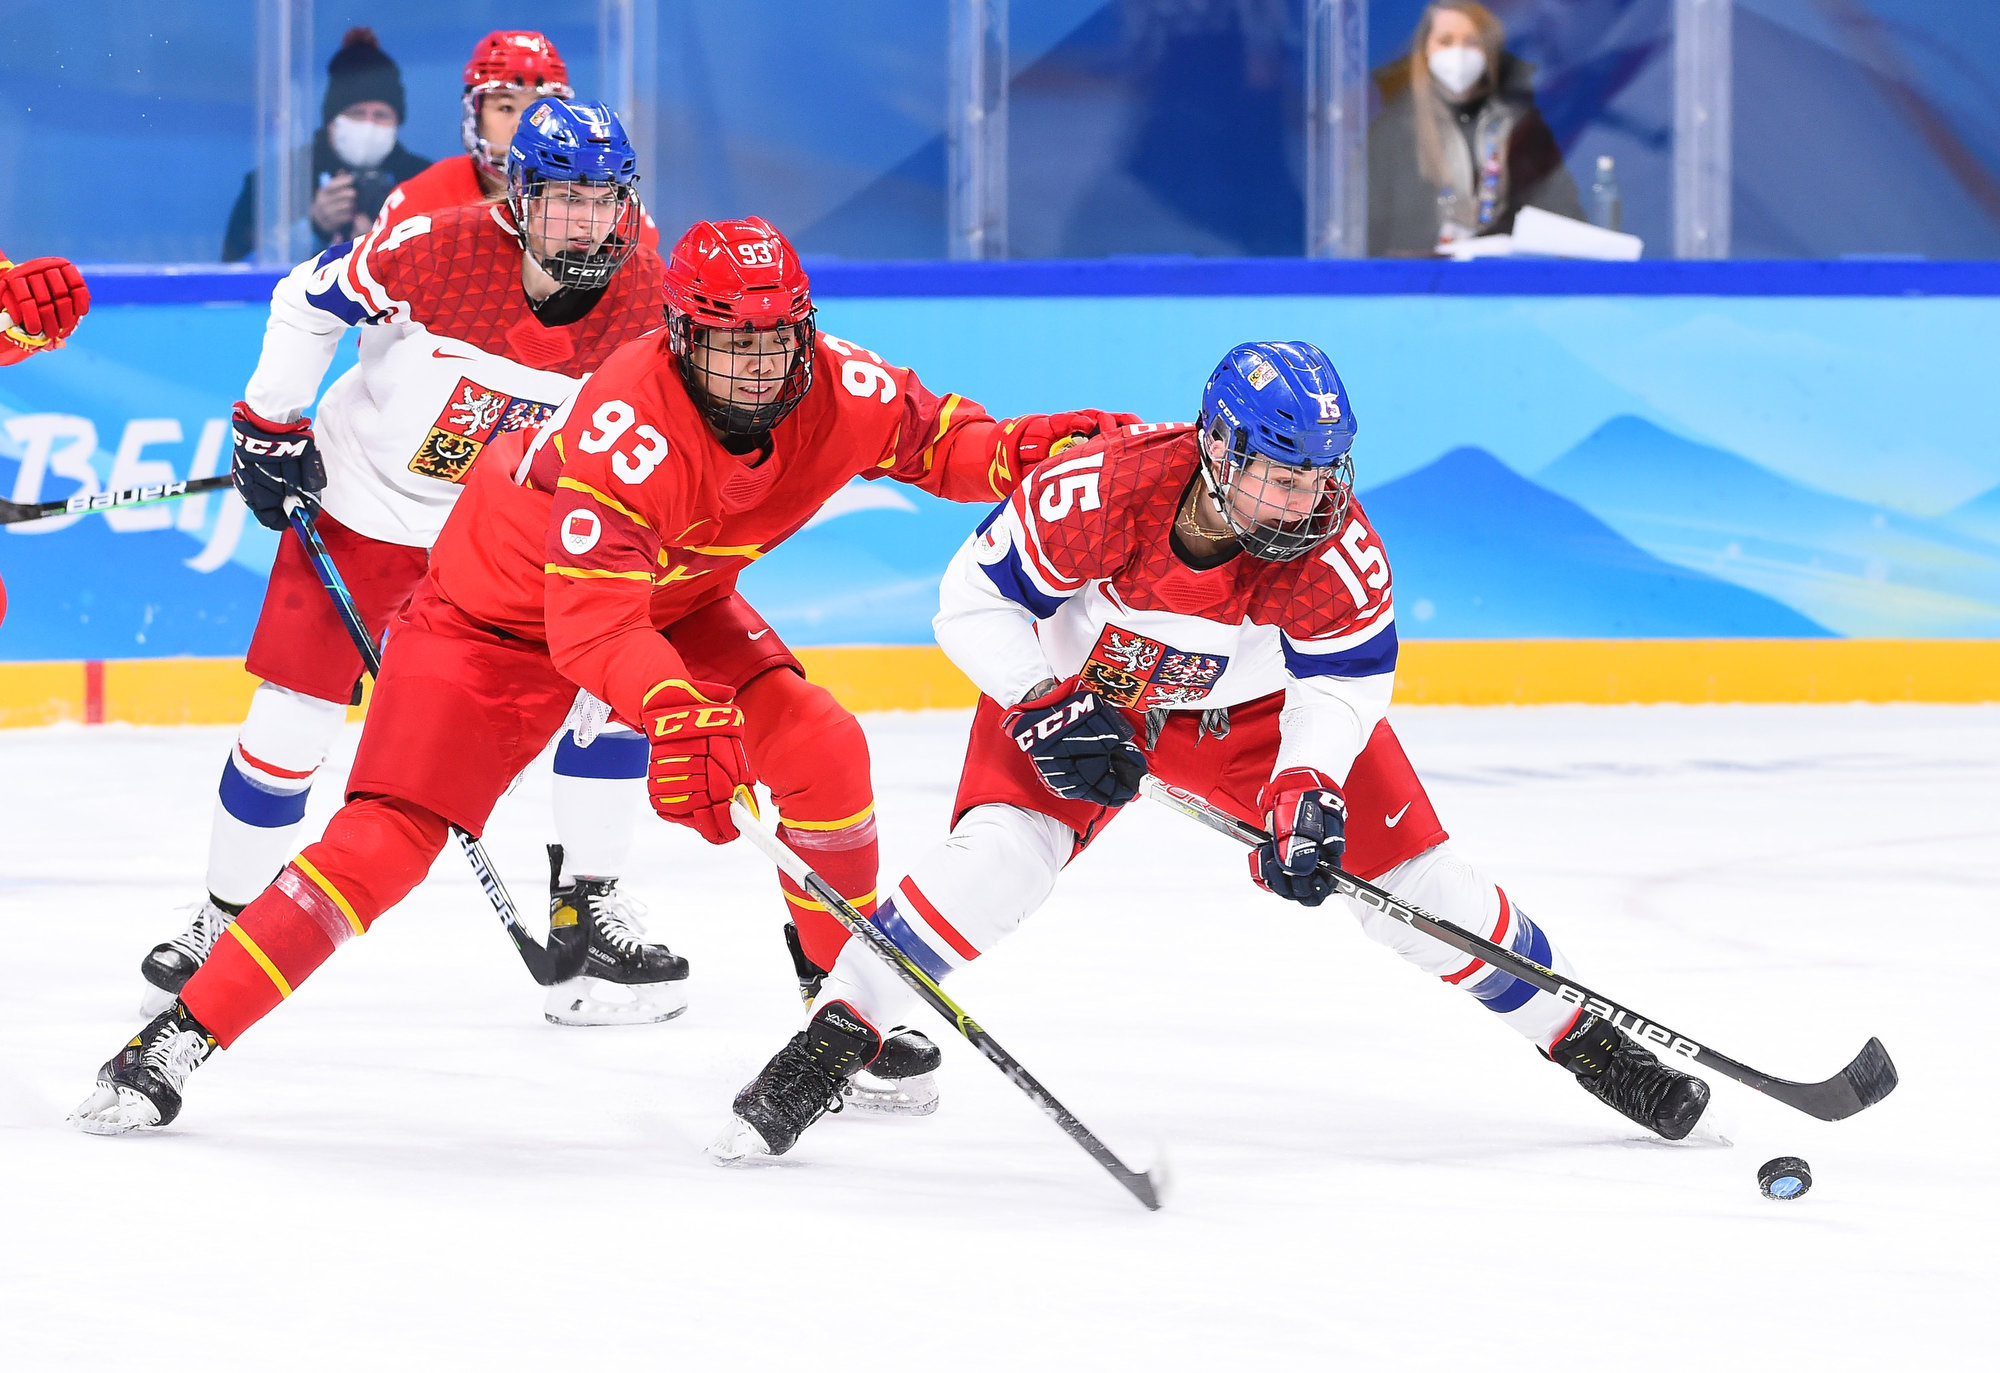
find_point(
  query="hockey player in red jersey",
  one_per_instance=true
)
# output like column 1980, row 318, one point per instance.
column 41, row 301
column 476, row 322
column 1206, row 602
column 508, row 71
column 605, row 555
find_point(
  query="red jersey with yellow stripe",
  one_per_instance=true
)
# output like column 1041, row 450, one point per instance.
column 626, row 514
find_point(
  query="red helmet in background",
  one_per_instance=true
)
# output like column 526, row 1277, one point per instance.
column 740, row 277
column 508, row 58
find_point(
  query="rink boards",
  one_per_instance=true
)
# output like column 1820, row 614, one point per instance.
column 200, row 691
column 1647, row 482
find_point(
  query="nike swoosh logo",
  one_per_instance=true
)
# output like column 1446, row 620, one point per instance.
column 1397, row 819
column 462, row 357
column 760, row 633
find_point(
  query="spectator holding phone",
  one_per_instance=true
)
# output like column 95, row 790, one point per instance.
column 356, row 159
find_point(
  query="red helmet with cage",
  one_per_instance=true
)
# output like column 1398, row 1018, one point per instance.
column 740, row 278
column 508, row 58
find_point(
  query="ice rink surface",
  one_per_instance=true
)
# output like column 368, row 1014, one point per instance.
column 405, row 1167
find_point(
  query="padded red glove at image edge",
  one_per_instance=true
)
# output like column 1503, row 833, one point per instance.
column 45, row 296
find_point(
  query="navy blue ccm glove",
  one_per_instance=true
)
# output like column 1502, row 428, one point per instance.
column 1082, row 747
column 1308, row 822
column 274, row 461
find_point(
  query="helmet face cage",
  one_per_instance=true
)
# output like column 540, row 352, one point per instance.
column 528, row 195
column 1272, row 532
column 710, row 385
column 494, row 159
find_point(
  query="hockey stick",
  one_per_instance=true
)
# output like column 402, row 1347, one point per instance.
column 1862, row 1083
column 1145, row 1186
column 16, row 512
column 542, row 964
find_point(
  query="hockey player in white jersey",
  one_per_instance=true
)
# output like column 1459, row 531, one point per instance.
column 1207, row 603
column 476, row 321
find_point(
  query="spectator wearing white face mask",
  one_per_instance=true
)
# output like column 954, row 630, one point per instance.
column 1459, row 146
column 356, row 159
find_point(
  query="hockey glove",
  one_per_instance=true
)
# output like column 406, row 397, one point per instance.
column 1037, row 438
column 1082, row 747
column 274, row 461
column 1308, row 822
column 696, row 735
column 45, row 297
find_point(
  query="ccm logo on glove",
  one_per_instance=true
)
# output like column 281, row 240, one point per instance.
column 1082, row 747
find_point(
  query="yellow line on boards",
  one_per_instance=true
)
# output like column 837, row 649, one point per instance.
column 215, row 691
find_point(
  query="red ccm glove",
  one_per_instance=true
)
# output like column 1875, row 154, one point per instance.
column 1043, row 436
column 44, row 297
column 695, row 732
column 1307, row 817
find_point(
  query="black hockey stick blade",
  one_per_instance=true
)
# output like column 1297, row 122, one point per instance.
column 1146, row 1187
column 546, row 968
column 1865, row 1081
column 1862, row 1083
column 17, row 512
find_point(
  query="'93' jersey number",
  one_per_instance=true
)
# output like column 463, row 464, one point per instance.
column 608, row 425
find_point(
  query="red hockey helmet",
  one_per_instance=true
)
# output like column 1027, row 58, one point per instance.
column 742, row 278
column 518, row 58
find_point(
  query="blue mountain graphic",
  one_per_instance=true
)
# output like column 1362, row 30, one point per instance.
column 1860, row 569
column 870, row 577
column 1480, row 552
column 90, row 592
column 1978, row 517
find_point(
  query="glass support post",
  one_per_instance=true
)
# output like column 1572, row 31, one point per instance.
column 284, row 131
column 1703, row 72
column 628, row 50
column 1336, row 128
column 976, row 130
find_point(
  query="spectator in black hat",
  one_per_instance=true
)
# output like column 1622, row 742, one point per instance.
column 356, row 158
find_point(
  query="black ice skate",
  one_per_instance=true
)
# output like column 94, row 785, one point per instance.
column 141, row 1086
column 168, row 967
column 1621, row 1073
column 900, row 1081
column 625, row 981
column 800, row 1085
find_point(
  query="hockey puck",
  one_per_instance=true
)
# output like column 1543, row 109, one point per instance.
column 1785, row 1179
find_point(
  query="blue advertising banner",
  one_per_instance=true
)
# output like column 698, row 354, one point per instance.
column 1576, row 466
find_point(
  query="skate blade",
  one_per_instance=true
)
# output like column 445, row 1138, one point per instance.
column 876, row 1096
column 585, row 1001
column 112, row 1110
column 739, row 1145
column 156, row 1000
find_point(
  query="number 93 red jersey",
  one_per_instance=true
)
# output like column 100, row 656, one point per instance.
column 625, row 513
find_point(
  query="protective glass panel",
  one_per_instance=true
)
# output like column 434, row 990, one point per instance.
column 1157, row 126
column 827, row 120
column 125, row 128
column 1866, row 128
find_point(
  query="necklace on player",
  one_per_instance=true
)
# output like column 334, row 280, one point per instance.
column 1189, row 522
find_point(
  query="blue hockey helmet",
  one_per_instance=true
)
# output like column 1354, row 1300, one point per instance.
column 1284, row 404
column 583, row 239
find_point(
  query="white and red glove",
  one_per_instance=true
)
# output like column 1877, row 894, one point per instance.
column 695, row 732
column 1307, row 817
column 43, row 299
column 1043, row 436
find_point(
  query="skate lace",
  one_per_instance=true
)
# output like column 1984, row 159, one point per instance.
column 620, row 920
column 174, row 1054
column 204, row 928
column 805, row 1088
